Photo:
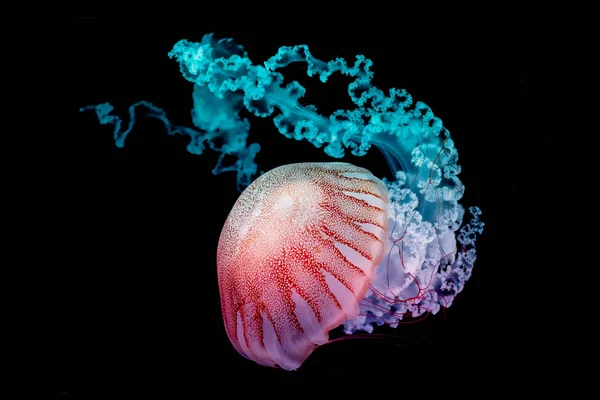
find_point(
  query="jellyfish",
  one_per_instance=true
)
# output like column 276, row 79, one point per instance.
column 309, row 247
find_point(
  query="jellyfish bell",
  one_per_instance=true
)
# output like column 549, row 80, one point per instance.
column 296, row 255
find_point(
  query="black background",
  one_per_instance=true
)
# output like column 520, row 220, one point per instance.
column 151, row 213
